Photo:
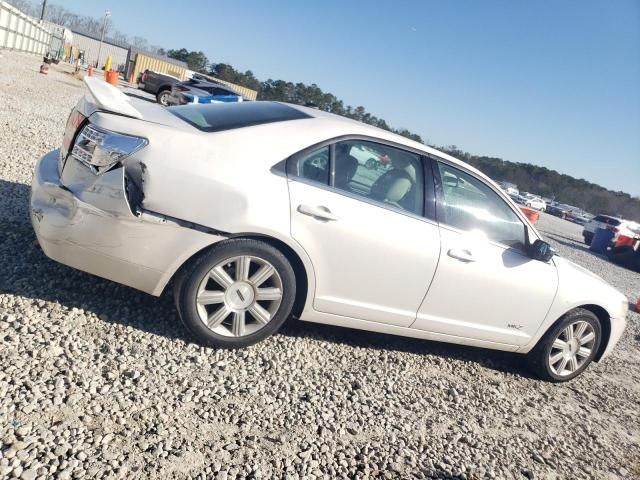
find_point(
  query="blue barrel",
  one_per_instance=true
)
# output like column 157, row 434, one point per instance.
column 601, row 240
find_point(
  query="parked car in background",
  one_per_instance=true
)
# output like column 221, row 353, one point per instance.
column 560, row 209
column 149, row 196
column 200, row 91
column 533, row 201
column 159, row 84
column 369, row 157
column 509, row 188
column 579, row 217
column 618, row 225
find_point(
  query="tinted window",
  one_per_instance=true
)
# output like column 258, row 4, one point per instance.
column 469, row 204
column 227, row 116
column 380, row 173
column 314, row 165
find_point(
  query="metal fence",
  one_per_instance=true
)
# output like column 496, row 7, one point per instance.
column 19, row 31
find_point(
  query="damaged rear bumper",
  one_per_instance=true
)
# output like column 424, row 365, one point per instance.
column 141, row 252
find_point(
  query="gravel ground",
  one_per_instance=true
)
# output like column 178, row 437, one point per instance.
column 98, row 381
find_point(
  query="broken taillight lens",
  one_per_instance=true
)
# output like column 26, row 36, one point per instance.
column 73, row 123
column 101, row 149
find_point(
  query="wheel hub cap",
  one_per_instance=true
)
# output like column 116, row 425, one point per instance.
column 239, row 296
column 572, row 347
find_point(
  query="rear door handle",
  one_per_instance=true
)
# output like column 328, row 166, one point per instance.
column 317, row 211
column 461, row 254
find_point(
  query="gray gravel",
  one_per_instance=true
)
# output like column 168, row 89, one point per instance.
column 98, row 381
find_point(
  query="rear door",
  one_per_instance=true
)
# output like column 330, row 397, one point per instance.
column 373, row 249
column 486, row 287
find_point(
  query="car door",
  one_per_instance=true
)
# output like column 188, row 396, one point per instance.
column 486, row 287
column 373, row 250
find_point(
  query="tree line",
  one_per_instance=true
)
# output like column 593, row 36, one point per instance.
column 284, row 91
column 549, row 183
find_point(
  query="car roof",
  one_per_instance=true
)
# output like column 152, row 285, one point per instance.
column 326, row 126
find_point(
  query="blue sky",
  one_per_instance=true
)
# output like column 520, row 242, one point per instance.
column 554, row 83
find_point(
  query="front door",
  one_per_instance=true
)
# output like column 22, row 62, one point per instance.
column 357, row 210
column 486, row 287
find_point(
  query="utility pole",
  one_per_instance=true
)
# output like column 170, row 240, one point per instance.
column 44, row 9
column 107, row 14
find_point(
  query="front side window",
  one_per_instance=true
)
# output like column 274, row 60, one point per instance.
column 379, row 173
column 468, row 204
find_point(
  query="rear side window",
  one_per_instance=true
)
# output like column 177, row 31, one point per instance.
column 373, row 171
column 228, row 116
column 314, row 166
column 380, row 173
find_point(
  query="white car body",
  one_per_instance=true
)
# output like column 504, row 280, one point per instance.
column 366, row 265
column 535, row 202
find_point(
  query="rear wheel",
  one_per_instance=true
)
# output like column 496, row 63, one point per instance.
column 568, row 348
column 237, row 294
column 163, row 97
column 588, row 237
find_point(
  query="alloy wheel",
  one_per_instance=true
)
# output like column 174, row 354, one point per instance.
column 239, row 296
column 571, row 348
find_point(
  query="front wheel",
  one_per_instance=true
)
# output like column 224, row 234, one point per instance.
column 238, row 293
column 568, row 348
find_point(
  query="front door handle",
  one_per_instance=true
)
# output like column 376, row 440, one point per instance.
column 461, row 254
column 318, row 211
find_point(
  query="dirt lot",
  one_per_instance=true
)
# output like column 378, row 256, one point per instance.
column 98, row 381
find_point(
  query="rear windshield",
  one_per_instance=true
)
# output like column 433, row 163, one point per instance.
column 607, row 220
column 217, row 117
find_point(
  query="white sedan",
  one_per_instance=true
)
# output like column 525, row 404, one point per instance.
column 258, row 211
column 535, row 202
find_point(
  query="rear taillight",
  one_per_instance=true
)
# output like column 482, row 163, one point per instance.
column 144, row 77
column 101, row 149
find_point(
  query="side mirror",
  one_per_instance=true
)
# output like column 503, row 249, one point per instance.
column 541, row 251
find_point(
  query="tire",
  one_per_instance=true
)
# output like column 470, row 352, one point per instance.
column 570, row 362
column 162, row 97
column 236, row 316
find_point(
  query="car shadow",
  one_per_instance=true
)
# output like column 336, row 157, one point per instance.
column 505, row 362
column 574, row 244
column 29, row 273
column 140, row 97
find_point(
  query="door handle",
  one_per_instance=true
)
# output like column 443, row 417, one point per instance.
column 461, row 254
column 319, row 212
